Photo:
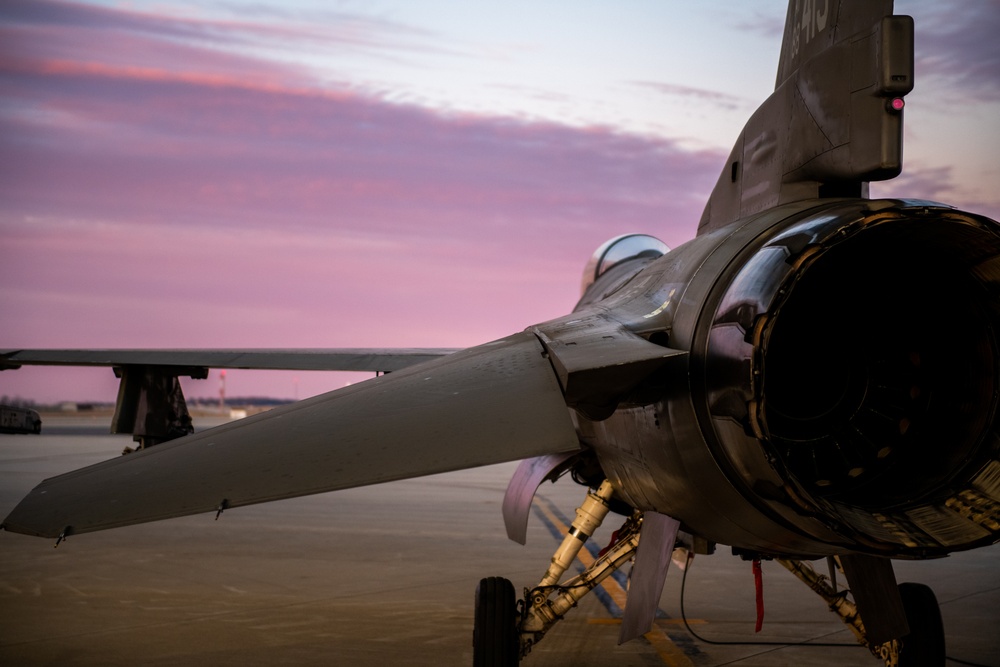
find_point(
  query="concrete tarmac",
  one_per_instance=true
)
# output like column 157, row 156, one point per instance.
column 385, row 575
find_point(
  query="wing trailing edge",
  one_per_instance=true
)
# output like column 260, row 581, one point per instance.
column 488, row 404
column 502, row 401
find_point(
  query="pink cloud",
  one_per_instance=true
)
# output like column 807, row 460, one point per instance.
column 158, row 193
column 199, row 143
column 165, row 34
column 201, row 204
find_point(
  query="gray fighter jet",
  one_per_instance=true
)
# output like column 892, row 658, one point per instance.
column 815, row 375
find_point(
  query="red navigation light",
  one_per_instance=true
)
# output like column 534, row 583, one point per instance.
column 896, row 104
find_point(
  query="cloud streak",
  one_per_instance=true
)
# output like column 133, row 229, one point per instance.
column 165, row 184
column 198, row 144
column 958, row 45
column 723, row 100
column 221, row 200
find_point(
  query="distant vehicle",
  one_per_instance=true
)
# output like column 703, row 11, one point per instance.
column 19, row 420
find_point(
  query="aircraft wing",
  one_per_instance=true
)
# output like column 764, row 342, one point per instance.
column 488, row 404
column 331, row 359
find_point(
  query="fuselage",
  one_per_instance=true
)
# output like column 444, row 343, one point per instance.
column 841, row 385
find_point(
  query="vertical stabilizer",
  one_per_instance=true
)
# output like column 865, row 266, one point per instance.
column 834, row 121
column 812, row 26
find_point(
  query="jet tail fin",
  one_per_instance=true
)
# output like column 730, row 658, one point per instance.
column 813, row 26
column 834, row 122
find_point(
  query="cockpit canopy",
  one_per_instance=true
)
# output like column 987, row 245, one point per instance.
column 620, row 249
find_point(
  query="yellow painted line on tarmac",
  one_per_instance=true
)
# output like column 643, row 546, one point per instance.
column 659, row 621
column 680, row 621
column 666, row 649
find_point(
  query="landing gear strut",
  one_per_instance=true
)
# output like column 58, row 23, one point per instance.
column 497, row 617
column 922, row 647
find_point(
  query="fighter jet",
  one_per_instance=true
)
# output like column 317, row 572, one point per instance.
column 777, row 384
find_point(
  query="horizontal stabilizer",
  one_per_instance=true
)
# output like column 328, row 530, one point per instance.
column 329, row 359
column 488, row 404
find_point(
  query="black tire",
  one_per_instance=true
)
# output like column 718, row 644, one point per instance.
column 924, row 646
column 495, row 640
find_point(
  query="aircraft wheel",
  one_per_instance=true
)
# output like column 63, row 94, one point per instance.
column 924, row 646
column 494, row 637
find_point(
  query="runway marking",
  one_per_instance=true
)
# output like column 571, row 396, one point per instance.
column 614, row 595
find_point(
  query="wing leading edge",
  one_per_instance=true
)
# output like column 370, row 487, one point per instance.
column 331, row 359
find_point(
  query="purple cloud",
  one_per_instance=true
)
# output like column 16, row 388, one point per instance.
column 722, row 100
column 930, row 183
column 935, row 184
column 323, row 31
column 957, row 44
column 191, row 198
column 184, row 146
column 771, row 27
column 157, row 192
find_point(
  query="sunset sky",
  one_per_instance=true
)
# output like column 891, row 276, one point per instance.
column 382, row 173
